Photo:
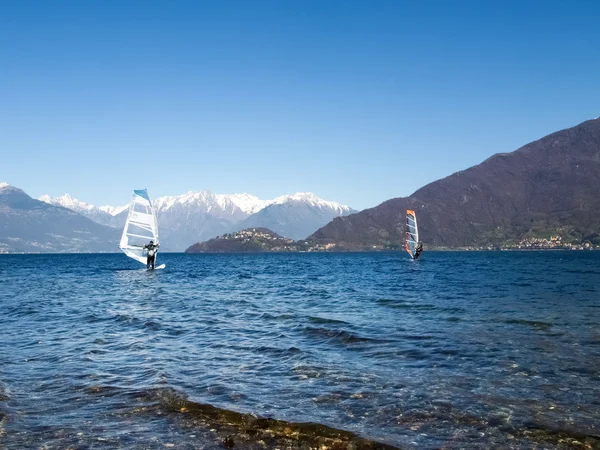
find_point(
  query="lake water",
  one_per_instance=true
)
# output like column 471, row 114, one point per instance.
column 455, row 350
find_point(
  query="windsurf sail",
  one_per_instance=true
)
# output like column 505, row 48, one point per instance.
column 412, row 233
column 141, row 226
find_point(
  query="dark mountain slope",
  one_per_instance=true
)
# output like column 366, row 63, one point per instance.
column 29, row 225
column 550, row 185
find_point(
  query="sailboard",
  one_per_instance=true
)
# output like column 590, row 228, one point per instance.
column 412, row 234
column 140, row 228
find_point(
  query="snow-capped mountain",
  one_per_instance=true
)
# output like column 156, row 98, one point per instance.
column 30, row 225
column 195, row 215
column 312, row 200
column 113, row 210
column 66, row 201
column 229, row 207
column 104, row 215
column 246, row 202
column 296, row 216
column 198, row 216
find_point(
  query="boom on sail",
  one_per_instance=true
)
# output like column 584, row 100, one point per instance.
column 140, row 228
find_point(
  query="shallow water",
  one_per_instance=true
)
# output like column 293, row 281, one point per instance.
column 456, row 350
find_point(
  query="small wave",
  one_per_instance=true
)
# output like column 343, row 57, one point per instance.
column 393, row 302
column 126, row 318
column 305, row 371
column 345, row 337
column 535, row 324
column 414, row 306
column 325, row 320
column 155, row 326
column 583, row 272
column 277, row 317
column 279, row 352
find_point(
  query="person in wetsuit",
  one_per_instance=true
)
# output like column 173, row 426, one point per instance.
column 418, row 250
column 152, row 249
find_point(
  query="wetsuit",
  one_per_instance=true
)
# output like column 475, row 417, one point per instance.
column 151, row 255
column 419, row 250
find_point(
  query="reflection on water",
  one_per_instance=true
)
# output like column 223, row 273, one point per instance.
column 455, row 350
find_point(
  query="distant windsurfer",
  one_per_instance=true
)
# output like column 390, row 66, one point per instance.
column 152, row 249
column 418, row 250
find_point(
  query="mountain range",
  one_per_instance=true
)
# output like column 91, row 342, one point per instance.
column 550, row 186
column 197, row 216
column 29, row 225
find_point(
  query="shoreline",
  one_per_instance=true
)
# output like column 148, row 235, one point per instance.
column 441, row 249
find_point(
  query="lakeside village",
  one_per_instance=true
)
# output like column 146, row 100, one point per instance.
column 275, row 243
column 551, row 243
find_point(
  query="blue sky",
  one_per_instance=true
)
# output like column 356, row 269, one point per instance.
column 355, row 101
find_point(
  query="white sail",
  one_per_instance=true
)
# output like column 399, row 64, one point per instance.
column 141, row 226
column 412, row 233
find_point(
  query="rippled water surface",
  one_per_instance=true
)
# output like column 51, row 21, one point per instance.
column 456, row 350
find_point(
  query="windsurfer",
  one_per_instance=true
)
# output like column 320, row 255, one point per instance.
column 152, row 248
column 418, row 250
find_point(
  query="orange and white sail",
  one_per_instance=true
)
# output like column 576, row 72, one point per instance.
column 412, row 233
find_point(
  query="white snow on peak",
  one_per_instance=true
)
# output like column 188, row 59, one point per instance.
column 208, row 201
column 225, row 206
column 249, row 204
column 4, row 185
column 113, row 210
column 312, row 200
column 66, row 201
column 246, row 202
column 191, row 198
